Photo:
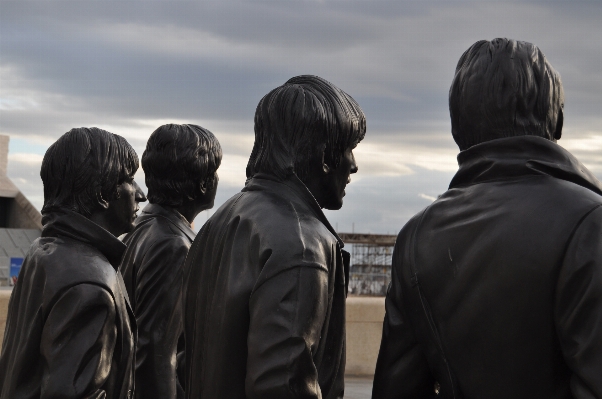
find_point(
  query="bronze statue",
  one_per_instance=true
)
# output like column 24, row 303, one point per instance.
column 496, row 287
column 70, row 332
column 266, row 275
column 180, row 165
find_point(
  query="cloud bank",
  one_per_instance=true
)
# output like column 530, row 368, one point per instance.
column 129, row 67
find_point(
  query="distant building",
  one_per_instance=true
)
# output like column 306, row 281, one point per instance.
column 20, row 221
column 371, row 255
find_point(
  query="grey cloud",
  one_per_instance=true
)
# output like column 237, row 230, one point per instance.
column 120, row 64
column 371, row 208
column 408, row 52
column 317, row 23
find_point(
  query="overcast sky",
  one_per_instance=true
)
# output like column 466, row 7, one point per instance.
column 131, row 66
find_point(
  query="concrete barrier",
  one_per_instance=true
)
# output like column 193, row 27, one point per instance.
column 4, row 297
column 364, row 328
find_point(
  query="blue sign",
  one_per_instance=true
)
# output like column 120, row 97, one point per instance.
column 15, row 268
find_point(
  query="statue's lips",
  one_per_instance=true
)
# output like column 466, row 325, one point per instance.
column 345, row 186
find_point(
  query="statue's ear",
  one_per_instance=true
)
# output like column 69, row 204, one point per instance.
column 325, row 167
column 203, row 185
column 207, row 184
column 559, row 122
column 101, row 201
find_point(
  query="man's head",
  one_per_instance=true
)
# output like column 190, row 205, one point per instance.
column 504, row 88
column 180, row 164
column 91, row 171
column 308, row 127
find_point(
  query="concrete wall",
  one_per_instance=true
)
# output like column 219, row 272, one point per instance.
column 364, row 327
column 7, row 188
column 3, row 154
column 23, row 215
column 4, row 297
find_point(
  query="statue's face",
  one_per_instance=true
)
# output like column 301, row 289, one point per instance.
column 122, row 211
column 335, row 181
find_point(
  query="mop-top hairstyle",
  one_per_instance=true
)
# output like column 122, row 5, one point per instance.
column 296, row 121
column 504, row 88
column 176, row 160
column 82, row 170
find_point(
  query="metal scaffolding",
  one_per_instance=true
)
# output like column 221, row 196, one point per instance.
column 370, row 271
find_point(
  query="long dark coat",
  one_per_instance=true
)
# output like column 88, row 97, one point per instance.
column 497, row 286
column 152, row 270
column 70, row 332
column 265, row 301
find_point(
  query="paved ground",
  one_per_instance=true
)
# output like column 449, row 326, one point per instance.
column 358, row 388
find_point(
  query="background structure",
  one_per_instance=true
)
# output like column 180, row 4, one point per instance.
column 20, row 221
column 129, row 66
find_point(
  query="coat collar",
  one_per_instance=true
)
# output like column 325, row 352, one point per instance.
column 515, row 157
column 66, row 223
column 151, row 211
column 297, row 189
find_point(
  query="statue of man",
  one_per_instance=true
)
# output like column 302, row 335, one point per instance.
column 180, row 166
column 496, row 287
column 70, row 332
column 266, row 275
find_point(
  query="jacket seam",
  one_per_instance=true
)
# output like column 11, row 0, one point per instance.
column 423, row 301
column 577, row 225
column 568, row 243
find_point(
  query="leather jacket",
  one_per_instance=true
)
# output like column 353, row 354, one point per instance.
column 265, row 298
column 70, row 332
column 496, row 287
column 152, row 270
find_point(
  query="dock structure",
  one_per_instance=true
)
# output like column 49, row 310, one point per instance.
column 20, row 221
column 370, row 271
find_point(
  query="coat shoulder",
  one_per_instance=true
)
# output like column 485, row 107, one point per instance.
column 153, row 231
column 66, row 263
column 286, row 223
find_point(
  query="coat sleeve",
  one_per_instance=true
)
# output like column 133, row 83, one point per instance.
column 287, row 313
column 401, row 369
column 159, row 317
column 77, row 343
column 578, row 307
